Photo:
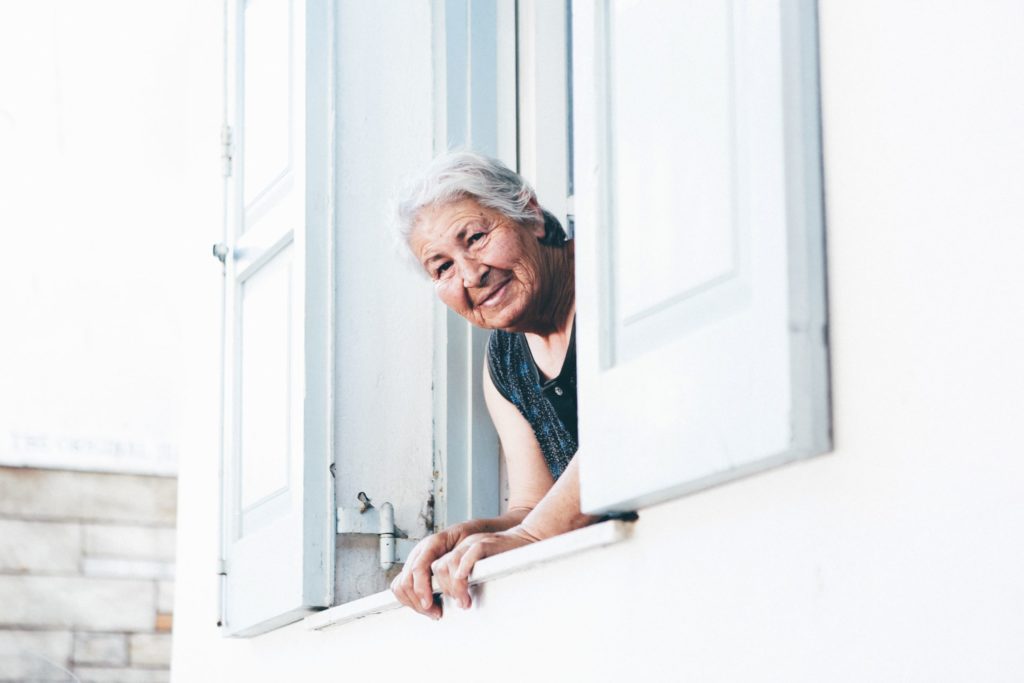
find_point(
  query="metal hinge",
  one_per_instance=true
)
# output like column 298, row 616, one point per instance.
column 222, row 576
column 225, row 150
column 367, row 519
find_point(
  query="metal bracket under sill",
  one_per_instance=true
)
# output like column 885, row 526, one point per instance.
column 487, row 569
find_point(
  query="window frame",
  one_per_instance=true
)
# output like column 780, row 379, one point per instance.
column 489, row 90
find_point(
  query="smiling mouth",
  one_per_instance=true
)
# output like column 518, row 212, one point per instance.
column 494, row 294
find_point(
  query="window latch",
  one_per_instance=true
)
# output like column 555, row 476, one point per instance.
column 367, row 519
column 220, row 252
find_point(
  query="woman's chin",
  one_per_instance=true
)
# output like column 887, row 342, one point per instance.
column 504, row 320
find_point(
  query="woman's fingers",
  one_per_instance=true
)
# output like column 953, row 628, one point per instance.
column 400, row 587
column 451, row 567
column 460, row 576
column 441, row 572
column 453, row 570
column 457, row 566
column 421, row 587
column 412, row 586
column 414, row 598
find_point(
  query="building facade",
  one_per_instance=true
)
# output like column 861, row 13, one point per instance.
column 889, row 552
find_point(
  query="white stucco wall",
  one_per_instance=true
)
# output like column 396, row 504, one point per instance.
column 896, row 557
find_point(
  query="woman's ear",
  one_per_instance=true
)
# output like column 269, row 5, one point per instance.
column 538, row 229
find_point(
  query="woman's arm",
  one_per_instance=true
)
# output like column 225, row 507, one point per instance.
column 529, row 480
column 552, row 511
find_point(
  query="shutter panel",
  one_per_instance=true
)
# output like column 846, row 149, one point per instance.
column 278, row 496
column 699, row 236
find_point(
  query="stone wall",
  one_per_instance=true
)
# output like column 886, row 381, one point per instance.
column 86, row 576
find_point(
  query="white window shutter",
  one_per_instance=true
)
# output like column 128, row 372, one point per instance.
column 700, row 261
column 277, row 511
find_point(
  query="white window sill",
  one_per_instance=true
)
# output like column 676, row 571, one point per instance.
column 488, row 569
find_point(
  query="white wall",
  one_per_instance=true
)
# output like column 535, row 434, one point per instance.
column 898, row 556
column 94, row 160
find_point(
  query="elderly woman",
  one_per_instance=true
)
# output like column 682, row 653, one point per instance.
column 502, row 262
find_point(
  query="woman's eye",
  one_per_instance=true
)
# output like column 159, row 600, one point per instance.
column 476, row 237
column 442, row 269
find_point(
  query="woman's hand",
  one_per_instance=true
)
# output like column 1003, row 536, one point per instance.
column 412, row 587
column 451, row 554
column 557, row 513
column 453, row 569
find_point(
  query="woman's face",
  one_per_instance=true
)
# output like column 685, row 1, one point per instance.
column 485, row 266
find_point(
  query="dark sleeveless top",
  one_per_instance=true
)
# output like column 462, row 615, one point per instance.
column 549, row 407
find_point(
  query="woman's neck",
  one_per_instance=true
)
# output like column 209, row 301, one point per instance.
column 549, row 337
column 558, row 307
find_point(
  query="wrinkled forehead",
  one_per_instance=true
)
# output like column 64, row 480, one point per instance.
column 446, row 222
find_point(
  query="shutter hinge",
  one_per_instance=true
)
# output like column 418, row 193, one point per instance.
column 367, row 519
column 226, row 150
column 222, row 579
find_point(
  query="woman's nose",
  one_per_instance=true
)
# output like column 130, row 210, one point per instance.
column 474, row 274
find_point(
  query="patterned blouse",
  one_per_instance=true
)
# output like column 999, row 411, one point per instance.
column 549, row 407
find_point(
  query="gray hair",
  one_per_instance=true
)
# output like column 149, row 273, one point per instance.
column 461, row 175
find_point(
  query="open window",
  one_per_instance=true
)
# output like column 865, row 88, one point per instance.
column 678, row 141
